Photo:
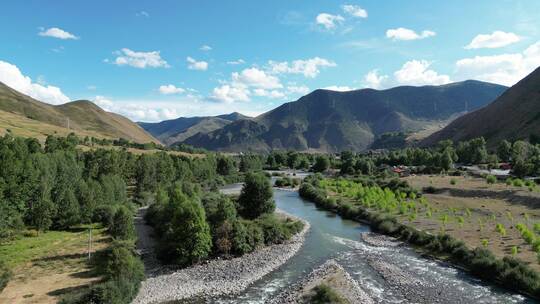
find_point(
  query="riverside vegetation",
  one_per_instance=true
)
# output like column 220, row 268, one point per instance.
column 59, row 187
column 380, row 203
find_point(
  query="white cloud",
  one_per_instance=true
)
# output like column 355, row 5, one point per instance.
column 230, row 93
column 105, row 103
column 339, row 88
column 274, row 94
column 494, row 40
column 142, row 14
column 505, row 69
column 373, row 80
column 309, row 67
column 254, row 77
column 170, row 89
column 11, row 76
column 402, row 33
column 236, row 62
column 183, row 106
column 355, row 11
column 416, row 72
column 329, row 21
column 57, row 33
column 205, row 48
column 140, row 60
column 197, row 65
column 293, row 89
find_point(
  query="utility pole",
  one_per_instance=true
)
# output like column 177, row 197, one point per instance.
column 89, row 243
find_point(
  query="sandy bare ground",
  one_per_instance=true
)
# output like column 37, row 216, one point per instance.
column 489, row 205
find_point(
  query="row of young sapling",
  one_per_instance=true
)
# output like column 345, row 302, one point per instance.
column 409, row 206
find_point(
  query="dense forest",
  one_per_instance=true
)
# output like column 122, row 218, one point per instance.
column 57, row 186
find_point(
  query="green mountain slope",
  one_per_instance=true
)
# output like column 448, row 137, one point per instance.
column 514, row 115
column 177, row 130
column 334, row 121
column 21, row 112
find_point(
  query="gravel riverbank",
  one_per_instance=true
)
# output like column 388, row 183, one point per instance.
column 219, row 277
column 329, row 273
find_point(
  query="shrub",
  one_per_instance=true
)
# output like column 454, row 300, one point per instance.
column 515, row 250
column 429, row 189
column 324, row 294
column 276, row 231
column 453, row 181
column 517, row 182
column 491, row 179
column 5, row 275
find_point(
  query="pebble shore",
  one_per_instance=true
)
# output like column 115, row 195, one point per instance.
column 219, row 277
column 294, row 293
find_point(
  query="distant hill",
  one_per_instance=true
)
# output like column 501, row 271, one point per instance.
column 334, row 121
column 514, row 115
column 26, row 116
column 177, row 130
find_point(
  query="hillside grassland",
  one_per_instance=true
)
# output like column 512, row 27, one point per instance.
column 140, row 151
column 50, row 264
column 25, row 127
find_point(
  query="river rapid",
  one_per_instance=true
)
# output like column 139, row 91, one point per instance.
column 386, row 274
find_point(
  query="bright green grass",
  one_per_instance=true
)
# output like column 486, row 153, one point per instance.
column 48, row 244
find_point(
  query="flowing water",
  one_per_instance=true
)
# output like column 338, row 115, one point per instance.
column 333, row 237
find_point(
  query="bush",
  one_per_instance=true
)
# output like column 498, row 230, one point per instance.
column 5, row 275
column 123, row 272
column 429, row 189
column 324, row 294
column 453, row 181
column 276, row 231
column 517, row 182
column 491, row 179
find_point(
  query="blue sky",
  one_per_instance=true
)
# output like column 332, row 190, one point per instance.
column 155, row 60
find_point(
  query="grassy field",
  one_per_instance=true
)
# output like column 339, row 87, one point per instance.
column 469, row 209
column 48, row 265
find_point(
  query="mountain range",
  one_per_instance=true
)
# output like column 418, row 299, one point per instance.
column 177, row 130
column 514, row 115
column 330, row 121
column 26, row 116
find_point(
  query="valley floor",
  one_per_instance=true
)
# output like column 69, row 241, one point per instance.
column 489, row 205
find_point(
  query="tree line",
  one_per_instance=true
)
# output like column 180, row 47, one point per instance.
column 524, row 157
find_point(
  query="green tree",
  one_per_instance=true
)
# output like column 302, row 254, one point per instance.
column 256, row 197
column 122, row 226
column 187, row 237
column 504, row 150
column 67, row 213
column 225, row 166
column 322, row 163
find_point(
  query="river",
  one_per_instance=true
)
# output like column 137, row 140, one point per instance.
column 333, row 237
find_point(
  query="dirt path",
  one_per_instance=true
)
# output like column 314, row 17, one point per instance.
column 146, row 244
